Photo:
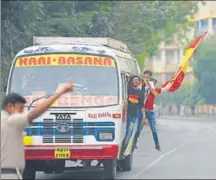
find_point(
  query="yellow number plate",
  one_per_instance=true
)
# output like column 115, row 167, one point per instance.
column 62, row 153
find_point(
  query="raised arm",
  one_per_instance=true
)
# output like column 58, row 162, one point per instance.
column 150, row 86
column 41, row 108
column 22, row 120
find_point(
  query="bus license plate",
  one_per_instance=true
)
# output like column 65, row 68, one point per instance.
column 62, row 153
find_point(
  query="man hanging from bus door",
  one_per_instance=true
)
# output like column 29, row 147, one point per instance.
column 135, row 103
column 151, row 93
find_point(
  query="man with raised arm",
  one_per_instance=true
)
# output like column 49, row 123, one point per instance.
column 150, row 93
column 13, row 123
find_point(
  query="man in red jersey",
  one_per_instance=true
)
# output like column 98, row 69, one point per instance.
column 150, row 93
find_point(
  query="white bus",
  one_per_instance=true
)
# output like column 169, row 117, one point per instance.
column 87, row 125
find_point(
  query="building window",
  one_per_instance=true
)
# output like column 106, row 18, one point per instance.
column 214, row 24
column 203, row 25
column 170, row 56
column 178, row 53
column 196, row 29
column 158, row 56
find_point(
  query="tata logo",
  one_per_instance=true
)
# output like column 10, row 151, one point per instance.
column 62, row 116
column 63, row 127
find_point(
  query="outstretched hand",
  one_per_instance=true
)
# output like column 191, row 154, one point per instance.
column 65, row 88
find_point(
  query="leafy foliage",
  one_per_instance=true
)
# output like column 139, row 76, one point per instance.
column 140, row 24
column 188, row 95
column 146, row 23
column 204, row 69
column 18, row 19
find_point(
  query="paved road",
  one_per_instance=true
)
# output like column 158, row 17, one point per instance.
column 188, row 151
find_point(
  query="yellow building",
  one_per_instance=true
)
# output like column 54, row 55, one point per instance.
column 166, row 61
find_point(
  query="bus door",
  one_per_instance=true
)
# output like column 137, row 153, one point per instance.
column 124, row 97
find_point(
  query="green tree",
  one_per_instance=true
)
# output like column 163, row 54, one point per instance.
column 177, row 97
column 144, row 24
column 187, row 94
column 18, row 19
column 204, row 69
column 75, row 18
column 193, row 98
column 140, row 24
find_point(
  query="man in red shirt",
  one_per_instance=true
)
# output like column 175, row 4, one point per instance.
column 150, row 93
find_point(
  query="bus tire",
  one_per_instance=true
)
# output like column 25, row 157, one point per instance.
column 109, row 167
column 127, row 163
column 29, row 171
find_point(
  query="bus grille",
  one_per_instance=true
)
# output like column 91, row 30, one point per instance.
column 52, row 135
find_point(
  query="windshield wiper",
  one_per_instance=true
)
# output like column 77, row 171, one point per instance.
column 35, row 100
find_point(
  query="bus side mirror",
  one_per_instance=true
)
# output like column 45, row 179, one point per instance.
column 5, row 89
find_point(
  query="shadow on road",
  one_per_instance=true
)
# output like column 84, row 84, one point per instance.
column 72, row 175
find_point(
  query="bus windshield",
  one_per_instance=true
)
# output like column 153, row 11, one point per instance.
column 95, row 79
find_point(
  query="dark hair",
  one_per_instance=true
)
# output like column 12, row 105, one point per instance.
column 132, row 77
column 12, row 98
column 148, row 72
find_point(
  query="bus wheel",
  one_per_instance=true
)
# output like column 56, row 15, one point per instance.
column 29, row 171
column 109, row 167
column 127, row 163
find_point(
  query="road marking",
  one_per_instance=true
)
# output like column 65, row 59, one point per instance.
column 166, row 154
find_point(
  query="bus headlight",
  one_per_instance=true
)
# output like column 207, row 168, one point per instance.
column 106, row 136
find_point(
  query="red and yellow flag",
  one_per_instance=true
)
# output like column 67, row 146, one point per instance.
column 177, row 79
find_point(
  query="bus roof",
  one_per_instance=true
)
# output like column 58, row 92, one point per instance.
column 104, row 41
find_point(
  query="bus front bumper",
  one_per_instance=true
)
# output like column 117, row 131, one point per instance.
column 45, row 152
